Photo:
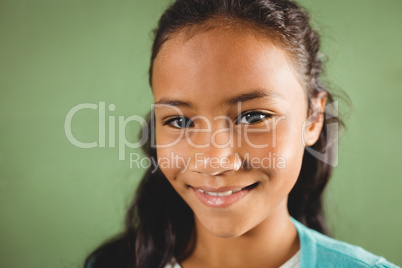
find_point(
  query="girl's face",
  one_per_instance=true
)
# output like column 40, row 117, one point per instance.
column 229, row 118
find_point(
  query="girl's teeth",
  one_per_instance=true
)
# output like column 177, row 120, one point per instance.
column 221, row 193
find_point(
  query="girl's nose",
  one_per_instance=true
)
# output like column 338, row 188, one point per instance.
column 218, row 155
column 216, row 166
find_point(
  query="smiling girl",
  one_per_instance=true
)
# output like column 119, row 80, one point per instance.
column 237, row 90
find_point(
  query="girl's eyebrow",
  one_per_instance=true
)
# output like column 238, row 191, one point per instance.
column 255, row 94
column 173, row 102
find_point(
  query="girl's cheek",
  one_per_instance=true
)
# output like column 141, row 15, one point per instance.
column 172, row 159
column 268, row 139
column 279, row 148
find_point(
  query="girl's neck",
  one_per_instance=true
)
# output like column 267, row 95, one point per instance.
column 269, row 244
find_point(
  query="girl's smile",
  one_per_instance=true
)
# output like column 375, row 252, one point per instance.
column 223, row 196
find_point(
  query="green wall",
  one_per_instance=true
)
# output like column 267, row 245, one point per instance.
column 57, row 201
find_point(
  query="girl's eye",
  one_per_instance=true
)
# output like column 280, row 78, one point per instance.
column 252, row 118
column 179, row 122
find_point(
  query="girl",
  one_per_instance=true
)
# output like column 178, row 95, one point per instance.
column 242, row 145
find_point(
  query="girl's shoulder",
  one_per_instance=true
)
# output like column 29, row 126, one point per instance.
column 322, row 251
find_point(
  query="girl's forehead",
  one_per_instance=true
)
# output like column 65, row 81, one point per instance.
column 216, row 64
column 217, row 44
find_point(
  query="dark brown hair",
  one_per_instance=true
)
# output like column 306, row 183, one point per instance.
column 159, row 224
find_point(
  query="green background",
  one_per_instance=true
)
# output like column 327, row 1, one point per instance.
column 57, row 201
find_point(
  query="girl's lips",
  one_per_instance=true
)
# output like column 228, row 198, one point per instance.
column 221, row 197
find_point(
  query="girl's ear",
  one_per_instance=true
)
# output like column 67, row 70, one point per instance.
column 314, row 123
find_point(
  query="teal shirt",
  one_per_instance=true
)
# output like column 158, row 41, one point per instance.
column 318, row 250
